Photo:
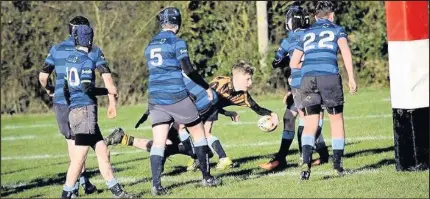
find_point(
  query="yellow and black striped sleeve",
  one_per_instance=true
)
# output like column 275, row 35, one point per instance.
column 257, row 108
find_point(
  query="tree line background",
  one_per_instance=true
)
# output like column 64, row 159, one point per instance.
column 218, row 34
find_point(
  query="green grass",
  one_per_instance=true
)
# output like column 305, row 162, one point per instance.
column 370, row 160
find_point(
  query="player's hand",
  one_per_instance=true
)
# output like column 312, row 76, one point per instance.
column 275, row 119
column 352, row 86
column 210, row 94
column 111, row 113
column 235, row 117
column 141, row 120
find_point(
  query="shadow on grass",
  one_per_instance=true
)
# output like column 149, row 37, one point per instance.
column 59, row 179
column 30, row 168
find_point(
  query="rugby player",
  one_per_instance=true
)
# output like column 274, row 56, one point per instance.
column 167, row 57
column 55, row 62
column 80, row 94
column 297, row 19
column 321, row 83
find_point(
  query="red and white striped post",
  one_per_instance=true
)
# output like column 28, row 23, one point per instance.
column 408, row 51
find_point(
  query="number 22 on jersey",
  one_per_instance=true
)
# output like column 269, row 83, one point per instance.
column 323, row 38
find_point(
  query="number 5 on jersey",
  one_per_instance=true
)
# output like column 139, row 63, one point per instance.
column 156, row 54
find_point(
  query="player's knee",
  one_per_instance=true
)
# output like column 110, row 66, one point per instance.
column 312, row 110
column 289, row 120
column 335, row 110
column 192, row 124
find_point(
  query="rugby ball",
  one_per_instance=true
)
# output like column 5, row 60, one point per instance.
column 265, row 124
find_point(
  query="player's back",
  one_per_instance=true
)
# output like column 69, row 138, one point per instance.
column 57, row 56
column 80, row 69
column 320, row 48
column 166, row 85
column 199, row 95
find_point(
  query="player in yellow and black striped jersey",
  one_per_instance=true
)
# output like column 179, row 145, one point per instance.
column 231, row 91
column 228, row 91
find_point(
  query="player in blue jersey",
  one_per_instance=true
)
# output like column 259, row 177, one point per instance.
column 81, row 95
column 321, row 83
column 297, row 19
column 55, row 62
column 167, row 57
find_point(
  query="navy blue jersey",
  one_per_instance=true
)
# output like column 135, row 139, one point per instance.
column 319, row 44
column 166, row 85
column 57, row 57
column 80, row 69
column 286, row 49
column 199, row 95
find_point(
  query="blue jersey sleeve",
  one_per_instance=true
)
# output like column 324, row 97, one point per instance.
column 341, row 33
column 100, row 58
column 50, row 58
column 87, row 72
column 282, row 50
column 181, row 49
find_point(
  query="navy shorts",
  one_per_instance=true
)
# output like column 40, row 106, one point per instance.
column 62, row 115
column 323, row 90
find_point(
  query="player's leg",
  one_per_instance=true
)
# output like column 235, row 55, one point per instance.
column 62, row 116
column 192, row 121
column 92, row 136
column 215, row 144
column 160, row 120
column 286, row 140
column 311, row 103
column 320, row 146
column 300, row 133
column 118, row 136
column 332, row 96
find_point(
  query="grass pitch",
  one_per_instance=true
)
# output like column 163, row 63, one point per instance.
column 34, row 157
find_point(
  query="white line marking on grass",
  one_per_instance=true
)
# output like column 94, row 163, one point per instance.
column 231, row 145
column 325, row 119
column 23, row 126
column 148, row 127
column 24, row 137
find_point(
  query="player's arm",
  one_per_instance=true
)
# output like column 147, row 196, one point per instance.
column 257, row 108
column 347, row 59
column 46, row 71
column 66, row 90
column 86, row 79
column 296, row 58
column 281, row 56
column 232, row 114
column 262, row 111
column 103, row 68
column 187, row 67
